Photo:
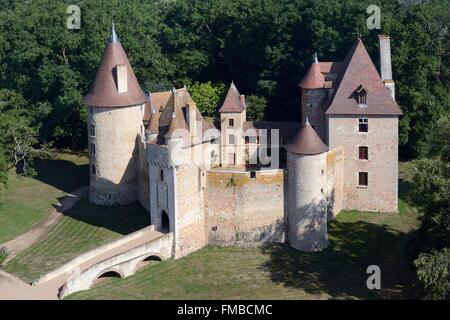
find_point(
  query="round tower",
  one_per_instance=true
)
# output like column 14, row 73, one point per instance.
column 313, row 95
column 115, row 112
column 307, row 215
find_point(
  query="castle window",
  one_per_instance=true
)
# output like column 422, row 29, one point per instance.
column 247, row 139
column 92, row 130
column 252, row 174
column 363, row 153
column 361, row 96
column 231, row 123
column 161, row 175
column 92, row 148
column 363, row 125
column 94, row 170
column 231, row 139
column 362, row 179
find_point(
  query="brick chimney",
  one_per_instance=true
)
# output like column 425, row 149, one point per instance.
column 385, row 64
column 122, row 81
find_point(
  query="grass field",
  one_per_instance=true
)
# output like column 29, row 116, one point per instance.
column 84, row 227
column 357, row 240
column 26, row 201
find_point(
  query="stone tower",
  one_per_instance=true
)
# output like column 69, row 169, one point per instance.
column 363, row 119
column 232, row 119
column 115, row 112
column 314, row 94
column 307, row 208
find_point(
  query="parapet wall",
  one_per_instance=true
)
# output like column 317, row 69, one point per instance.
column 245, row 210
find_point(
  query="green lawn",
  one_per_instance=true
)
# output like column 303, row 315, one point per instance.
column 26, row 201
column 357, row 240
column 84, row 227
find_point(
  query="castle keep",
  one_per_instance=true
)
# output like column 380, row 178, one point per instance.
column 240, row 182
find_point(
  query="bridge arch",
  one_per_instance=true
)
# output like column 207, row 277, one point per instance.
column 110, row 271
column 150, row 256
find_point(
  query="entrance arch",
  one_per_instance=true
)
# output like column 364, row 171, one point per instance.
column 165, row 222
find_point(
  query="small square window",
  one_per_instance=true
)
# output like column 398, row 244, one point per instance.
column 231, row 122
column 363, row 125
column 363, row 179
column 363, row 153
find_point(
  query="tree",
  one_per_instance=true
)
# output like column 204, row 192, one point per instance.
column 433, row 270
column 256, row 107
column 207, row 96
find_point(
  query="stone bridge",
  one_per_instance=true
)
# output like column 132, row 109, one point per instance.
column 122, row 257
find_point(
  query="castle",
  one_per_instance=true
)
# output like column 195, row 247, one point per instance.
column 249, row 182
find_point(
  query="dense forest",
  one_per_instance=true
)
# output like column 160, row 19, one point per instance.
column 265, row 46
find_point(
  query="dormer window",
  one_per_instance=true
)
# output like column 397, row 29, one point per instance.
column 361, row 96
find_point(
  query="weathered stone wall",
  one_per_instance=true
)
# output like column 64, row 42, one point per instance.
column 143, row 176
column 335, row 181
column 116, row 147
column 382, row 166
column 243, row 210
column 313, row 108
column 307, row 201
column 189, row 215
column 238, row 148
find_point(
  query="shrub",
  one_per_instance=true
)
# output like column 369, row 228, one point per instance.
column 433, row 270
column 4, row 253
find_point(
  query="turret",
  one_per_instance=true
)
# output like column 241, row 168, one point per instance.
column 116, row 104
column 232, row 118
column 307, row 214
column 313, row 94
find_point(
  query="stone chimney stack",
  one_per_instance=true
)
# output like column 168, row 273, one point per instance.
column 385, row 64
column 122, row 81
column 192, row 119
column 242, row 98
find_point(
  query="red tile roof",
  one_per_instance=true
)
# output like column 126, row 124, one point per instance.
column 103, row 92
column 307, row 142
column 358, row 69
column 232, row 102
column 314, row 79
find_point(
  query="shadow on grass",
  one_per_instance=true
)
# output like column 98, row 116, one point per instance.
column 61, row 174
column 340, row 270
column 122, row 219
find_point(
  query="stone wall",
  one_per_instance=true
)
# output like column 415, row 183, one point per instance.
column 335, row 181
column 115, row 180
column 307, row 201
column 143, row 176
column 313, row 108
column 382, row 166
column 189, row 215
column 241, row 210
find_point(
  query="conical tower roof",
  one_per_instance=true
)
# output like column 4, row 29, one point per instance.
column 232, row 102
column 104, row 91
column 314, row 79
column 307, row 142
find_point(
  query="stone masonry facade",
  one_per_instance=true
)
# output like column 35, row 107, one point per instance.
column 343, row 155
